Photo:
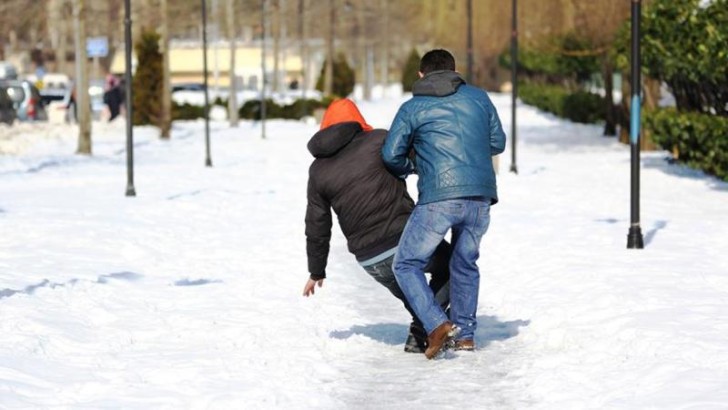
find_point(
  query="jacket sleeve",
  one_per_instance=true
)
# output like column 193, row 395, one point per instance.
column 318, row 231
column 396, row 149
column 497, row 136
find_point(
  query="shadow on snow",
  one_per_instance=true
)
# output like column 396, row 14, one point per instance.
column 45, row 283
column 490, row 329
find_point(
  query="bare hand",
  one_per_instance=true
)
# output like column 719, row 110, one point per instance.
column 310, row 287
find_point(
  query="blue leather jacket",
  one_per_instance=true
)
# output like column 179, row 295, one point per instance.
column 454, row 130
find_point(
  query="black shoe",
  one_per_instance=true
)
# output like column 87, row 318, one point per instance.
column 416, row 340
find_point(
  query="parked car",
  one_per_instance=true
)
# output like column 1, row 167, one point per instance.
column 7, row 110
column 52, row 87
column 27, row 101
column 188, row 87
column 7, row 71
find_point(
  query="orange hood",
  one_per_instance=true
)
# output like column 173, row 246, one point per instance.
column 343, row 110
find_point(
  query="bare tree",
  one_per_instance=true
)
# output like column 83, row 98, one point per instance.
column 233, row 98
column 83, row 105
column 166, row 119
column 329, row 75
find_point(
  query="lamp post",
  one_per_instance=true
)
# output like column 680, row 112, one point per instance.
column 634, row 236
column 264, row 23
column 130, row 191
column 208, row 160
column 514, row 82
column 469, row 46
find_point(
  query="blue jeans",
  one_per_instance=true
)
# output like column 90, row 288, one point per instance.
column 427, row 226
column 438, row 267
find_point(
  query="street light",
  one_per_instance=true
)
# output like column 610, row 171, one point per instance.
column 514, row 82
column 634, row 237
column 208, row 160
column 469, row 11
column 130, row 191
column 264, row 23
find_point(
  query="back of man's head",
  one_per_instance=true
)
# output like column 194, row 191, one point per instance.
column 437, row 60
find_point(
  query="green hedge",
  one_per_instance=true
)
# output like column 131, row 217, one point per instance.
column 697, row 140
column 297, row 110
column 251, row 109
column 569, row 57
column 578, row 106
column 187, row 111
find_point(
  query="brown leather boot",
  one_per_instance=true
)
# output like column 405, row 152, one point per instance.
column 467, row 345
column 438, row 339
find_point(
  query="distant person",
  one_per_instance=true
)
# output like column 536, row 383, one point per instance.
column 372, row 206
column 112, row 96
column 70, row 104
column 455, row 131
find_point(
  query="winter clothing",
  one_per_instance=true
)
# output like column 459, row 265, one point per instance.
column 348, row 175
column 371, row 204
column 113, row 96
column 469, row 220
column 343, row 111
column 455, row 131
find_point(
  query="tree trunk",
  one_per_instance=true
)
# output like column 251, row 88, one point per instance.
column 625, row 109
column 329, row 71
column 277, row 47
column 385, row 47
column 303, row 34
column 651, row 90
column 233, row 97
column 165, row 125
column 83, row 105
column 610, row 116
column 362, row 49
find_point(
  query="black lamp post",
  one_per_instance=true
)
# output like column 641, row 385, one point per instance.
column 208, row 160
column 264, row 25
column 634, row 237
column 514, row 82
column 130, row 191
column 469, row 46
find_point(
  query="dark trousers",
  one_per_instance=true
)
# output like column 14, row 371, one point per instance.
column 438, row 267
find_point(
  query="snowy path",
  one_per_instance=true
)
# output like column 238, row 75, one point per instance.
column 188, row 296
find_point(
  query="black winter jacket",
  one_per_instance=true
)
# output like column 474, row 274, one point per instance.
column 349, row 176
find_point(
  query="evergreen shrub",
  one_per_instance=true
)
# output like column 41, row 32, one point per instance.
column 344, row 77
column 411, row 70
column 697, row 140
column 147, row 81
column 187, row 111
column 578, row 106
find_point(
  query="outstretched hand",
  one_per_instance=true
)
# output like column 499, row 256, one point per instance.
column 310, row 287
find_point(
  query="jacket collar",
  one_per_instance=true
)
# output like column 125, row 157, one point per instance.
column 438, row 83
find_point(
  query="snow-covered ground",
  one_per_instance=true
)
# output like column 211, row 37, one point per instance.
column 189, row 294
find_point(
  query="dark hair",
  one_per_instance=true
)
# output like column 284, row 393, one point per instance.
column 435, row 60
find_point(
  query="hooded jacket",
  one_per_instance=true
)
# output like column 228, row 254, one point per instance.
column 348, row 176
column 454, row 130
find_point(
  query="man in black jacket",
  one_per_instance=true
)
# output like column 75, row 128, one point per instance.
column 372, row 206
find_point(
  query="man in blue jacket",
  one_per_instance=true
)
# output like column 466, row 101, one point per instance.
column 454, row 130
